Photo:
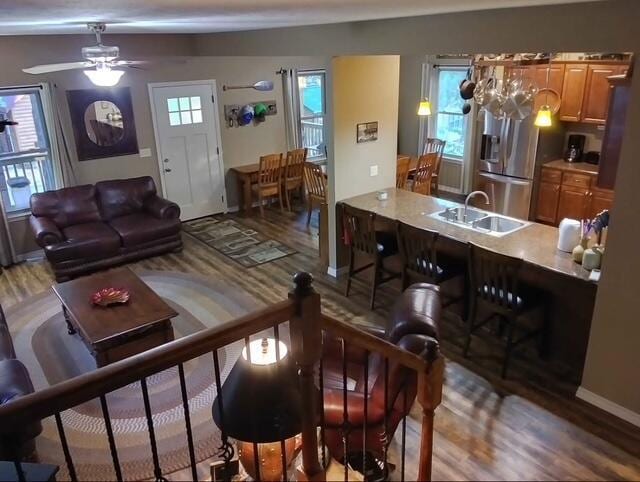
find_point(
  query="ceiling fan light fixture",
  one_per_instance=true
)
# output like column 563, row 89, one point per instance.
column 104, row 77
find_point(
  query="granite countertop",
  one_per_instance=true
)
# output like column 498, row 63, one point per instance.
column 536, row 243
column 582, row 167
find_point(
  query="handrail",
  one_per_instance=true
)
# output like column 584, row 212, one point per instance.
column 372, row 343
column 23, row 157
column 70, row 393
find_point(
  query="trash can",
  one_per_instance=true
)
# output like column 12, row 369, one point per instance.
column 20, row 191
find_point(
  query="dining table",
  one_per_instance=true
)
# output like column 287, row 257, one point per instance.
column 247, row 175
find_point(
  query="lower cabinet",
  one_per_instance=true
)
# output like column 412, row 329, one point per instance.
column 567, row 194
column 572, row 203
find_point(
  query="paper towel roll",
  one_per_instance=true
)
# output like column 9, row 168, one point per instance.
column 568, row 234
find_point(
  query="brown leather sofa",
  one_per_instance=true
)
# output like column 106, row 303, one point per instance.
column 86, row 228
column 413, row 326
column 14, row 383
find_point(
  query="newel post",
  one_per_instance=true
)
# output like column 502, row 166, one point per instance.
column 306, row 348
column 429, row 397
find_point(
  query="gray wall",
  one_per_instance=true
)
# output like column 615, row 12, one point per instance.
column 611, row 369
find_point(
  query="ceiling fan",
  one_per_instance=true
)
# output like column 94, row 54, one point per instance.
column 101, row 62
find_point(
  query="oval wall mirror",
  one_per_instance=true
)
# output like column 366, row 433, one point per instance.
column 103, row 123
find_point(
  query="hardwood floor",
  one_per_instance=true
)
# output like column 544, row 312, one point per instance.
column 527, row 427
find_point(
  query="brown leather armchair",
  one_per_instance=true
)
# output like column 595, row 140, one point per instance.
column 15, row 382
column 413, row 326
column 86, row 228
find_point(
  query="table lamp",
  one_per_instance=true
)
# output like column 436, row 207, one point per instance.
column 262, row 404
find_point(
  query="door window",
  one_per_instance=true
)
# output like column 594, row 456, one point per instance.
column 450, row 123
column 26, row 164
column 184, row 110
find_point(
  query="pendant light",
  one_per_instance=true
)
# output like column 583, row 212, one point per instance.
column 424, row 108
column 543, row 118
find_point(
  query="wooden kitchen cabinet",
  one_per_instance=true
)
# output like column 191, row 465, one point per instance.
column 614, row 130
column 556, row 76
column 573, row 85
column 548, row 197
column 600, row 199
column 597, row 91
column 569, row 194
column 572, row 203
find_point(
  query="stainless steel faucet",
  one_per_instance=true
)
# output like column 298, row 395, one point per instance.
column 466, row 201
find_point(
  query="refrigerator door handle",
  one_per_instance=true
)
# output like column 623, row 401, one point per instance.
column 504, row 134
column 505, row 179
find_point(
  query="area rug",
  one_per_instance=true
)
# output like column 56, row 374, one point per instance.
column 52, row 355
column 240, row 243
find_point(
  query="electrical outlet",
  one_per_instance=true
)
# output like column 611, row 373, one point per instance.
column 146, row 152
column 373, row 171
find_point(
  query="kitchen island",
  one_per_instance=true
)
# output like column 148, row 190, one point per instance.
column 571, row 293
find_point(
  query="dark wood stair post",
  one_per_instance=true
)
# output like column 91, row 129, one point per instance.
column 429, row 397
column 306, row 349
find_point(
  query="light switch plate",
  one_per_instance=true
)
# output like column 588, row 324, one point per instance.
column 146, row 152
column 373, row 170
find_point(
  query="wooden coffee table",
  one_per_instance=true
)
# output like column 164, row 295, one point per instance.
column 119, row 331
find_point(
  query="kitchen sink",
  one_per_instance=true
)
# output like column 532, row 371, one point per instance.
column 497, row 224
column 457, row 215
column 480, row 221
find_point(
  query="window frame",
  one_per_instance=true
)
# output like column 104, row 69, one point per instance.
column 323, row 115
column 434, row 96
column 47, row 118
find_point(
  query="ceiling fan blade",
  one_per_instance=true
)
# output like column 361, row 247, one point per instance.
column 47, row 68
column 128, row 63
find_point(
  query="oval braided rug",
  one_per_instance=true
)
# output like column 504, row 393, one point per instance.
column 51, row 355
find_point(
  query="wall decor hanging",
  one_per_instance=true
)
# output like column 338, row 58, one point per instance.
column 103, row 122
column 238, row 115
column 367, row 132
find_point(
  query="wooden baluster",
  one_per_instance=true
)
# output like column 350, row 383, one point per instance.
column 306, row 349
column 429, row 397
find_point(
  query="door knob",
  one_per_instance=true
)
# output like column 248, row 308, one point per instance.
column 167, row 170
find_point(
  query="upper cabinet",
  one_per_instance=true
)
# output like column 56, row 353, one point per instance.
column 596, row 94
column 573, row 87
column 585, row 92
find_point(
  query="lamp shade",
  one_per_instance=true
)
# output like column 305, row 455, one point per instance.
column 424, row 108
column 104, row 77
column 260, row 398
column 543, row 118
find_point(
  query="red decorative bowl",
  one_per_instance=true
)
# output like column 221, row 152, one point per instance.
column 110, row 296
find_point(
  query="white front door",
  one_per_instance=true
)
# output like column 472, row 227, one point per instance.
column 188, row 142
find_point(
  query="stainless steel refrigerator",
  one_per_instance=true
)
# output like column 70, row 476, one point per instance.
column 508, row 161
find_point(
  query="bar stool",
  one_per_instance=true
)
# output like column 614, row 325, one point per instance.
column 361, row 237
column 421, row 263
column 494, row 283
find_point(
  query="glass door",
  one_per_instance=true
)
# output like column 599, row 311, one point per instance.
column 26, row 163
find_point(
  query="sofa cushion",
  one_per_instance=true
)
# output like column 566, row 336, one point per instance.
column 89, row 241
column 140, row 228
column 68, row 206
column 122, row 197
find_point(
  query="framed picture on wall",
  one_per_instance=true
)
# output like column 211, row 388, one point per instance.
column 367, row 132
column 102, row 122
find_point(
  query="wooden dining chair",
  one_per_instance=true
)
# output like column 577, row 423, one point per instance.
column 315, row 183
column 424, row 173
column 494, row 282
column 269, row 176
column 437, row 146
column 402, row 171
column 365, row 241
column 293, row 174
column 421, row 262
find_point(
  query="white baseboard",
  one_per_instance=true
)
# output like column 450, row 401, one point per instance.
column 337, row 272
column 609, row 406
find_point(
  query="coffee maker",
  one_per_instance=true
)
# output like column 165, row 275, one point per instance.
column 575, row 148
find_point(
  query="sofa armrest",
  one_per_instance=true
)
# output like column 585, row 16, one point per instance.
column 162, row 208
column 334, row 409
column 7, row 352
column 45, row 230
